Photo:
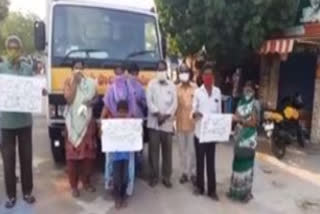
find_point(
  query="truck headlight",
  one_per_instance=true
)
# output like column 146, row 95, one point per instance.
column 56, row 111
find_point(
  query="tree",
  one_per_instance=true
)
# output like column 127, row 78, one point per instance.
column 21, row 25
column 231, row 30
column 4, row 8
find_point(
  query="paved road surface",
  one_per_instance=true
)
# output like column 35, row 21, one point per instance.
column 291, row 186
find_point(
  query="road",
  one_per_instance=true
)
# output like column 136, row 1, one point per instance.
column 290, row 186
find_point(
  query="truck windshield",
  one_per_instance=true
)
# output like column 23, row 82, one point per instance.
column 103, row 35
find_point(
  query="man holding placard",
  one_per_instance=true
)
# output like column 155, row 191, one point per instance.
column 207, row 101
column 16, row 125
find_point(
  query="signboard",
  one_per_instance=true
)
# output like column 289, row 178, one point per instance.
column 122, row 135
column 215, row 128
column 21, row 94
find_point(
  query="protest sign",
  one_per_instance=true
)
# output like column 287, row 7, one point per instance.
column 20, row 94
column 215, row 128
column 121, row 135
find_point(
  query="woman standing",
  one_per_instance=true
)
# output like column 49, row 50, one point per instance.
column 246, row 142
column 79, row 92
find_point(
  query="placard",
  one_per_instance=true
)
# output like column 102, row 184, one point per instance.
column 21, row 94
column 122, row 135
column 215, row 128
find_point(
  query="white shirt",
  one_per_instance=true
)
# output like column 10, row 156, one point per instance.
column 161, row 98
column 204, row 104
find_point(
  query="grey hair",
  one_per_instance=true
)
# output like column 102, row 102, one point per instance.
column 15, row 39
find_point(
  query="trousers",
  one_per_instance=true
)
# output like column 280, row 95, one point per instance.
column 10, row 139
column 205, row 153
column 164, row 140
column 187, row 153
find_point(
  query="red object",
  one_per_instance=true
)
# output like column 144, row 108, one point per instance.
column 207, row 80
column 79, row 170
column 87, row 148
column 279, row 46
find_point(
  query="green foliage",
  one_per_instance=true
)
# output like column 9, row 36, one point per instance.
column 4, row 8
column 21, row 25
column 231, row 30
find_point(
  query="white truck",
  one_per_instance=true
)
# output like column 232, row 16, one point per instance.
column 101, row 33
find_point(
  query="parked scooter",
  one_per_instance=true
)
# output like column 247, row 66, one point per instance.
column 282, row 127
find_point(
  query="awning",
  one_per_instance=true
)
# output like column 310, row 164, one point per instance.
column 277, row 46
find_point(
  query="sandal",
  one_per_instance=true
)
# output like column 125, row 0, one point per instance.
column 10, row 203
column 30, row 199
column 75, row 193
column 247, row 199
column 90, row 188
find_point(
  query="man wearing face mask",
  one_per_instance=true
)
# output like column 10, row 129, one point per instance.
column 207, row 100
column 185, row 124
column 16, row 125
column 162, row 105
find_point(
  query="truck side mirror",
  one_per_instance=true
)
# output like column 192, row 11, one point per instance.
column 40, row 35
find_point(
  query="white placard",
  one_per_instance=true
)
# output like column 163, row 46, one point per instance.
column 20, row 94
column 122, row 135
column 215, row 128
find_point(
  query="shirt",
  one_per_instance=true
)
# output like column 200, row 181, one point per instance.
column 205, row 104
column 161, row 98
column 185, row 97
column 15, row 120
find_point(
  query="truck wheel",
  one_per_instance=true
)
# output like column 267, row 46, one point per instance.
column 58, row 152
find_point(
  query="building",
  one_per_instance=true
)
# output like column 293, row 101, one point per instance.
column 290, row 63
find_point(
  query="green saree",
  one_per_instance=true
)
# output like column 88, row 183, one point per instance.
column 244, row 154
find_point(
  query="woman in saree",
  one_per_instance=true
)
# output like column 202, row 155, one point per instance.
column 80, row 93
column 246, row 142
column 118, row 91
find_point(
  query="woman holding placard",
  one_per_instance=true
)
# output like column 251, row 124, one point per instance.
column 246, row 142
column 80, row 93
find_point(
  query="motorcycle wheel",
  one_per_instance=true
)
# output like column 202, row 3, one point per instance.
column 278, row 147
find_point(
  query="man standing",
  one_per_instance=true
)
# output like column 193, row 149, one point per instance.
column 185, row 124
column 16, row 125
column 162, row 104
column 207, row 100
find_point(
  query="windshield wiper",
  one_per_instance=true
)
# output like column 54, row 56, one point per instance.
column 86, row 51
column 140, row 53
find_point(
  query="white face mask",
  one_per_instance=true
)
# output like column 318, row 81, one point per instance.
column 162, row 75
column 184, row 77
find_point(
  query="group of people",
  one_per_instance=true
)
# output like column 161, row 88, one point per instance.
column 169, row 109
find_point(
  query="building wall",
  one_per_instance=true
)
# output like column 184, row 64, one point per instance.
column 269, row 80
column 315, row 132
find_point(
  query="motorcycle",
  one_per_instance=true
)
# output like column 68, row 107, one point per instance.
column 282, row 128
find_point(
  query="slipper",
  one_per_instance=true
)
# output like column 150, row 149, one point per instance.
column 10, row 203
column 30, row 199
